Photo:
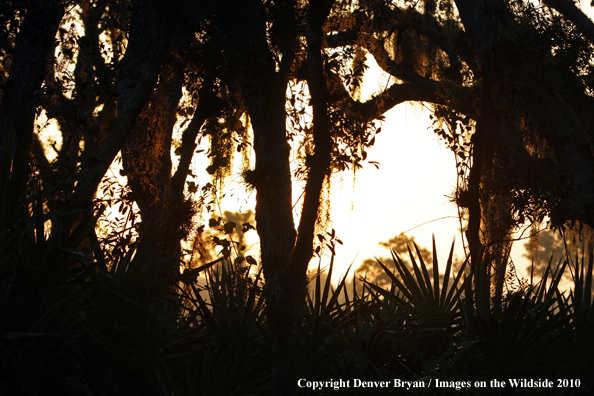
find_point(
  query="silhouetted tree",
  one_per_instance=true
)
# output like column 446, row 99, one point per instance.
column 547, row 246
column 551, row 248
column 400, row 245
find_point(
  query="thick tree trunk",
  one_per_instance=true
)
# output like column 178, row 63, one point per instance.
column 252, row 66
column 34, row 45
column 526, row 91
column 481, row 23
column 274, row 219
column 146, row 158
column 263, row 82
column 149, row 39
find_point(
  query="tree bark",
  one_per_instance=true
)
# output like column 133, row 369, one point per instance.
column 528, row 88
column 320, row 161
column 570, row 11
column 34, row 45
column 149, row 39
column 146, row 158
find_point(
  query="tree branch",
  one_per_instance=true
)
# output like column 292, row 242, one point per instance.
column 34, row 45
column 208, row 106
column 570, row 11
column 320, row 162
column 415, row 88
column 150, row 36
column 431, row 91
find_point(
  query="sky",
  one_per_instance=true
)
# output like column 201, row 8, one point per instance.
column 408, row 193
column 410, row 190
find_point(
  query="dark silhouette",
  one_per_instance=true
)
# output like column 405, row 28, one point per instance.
column 400, row 245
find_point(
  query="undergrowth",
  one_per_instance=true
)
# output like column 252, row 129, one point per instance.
column 78, row 323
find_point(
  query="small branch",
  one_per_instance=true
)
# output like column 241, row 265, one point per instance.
column 570, row 11
column 208, row 106
column 320, row 164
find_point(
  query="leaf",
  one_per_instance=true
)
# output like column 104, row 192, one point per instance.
column 229, row 227
column 246, row 227
column 192, row 187
column 212, row 223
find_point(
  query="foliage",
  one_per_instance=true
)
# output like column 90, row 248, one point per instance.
column 399, row 244
column 546, row 246
column 108, row 324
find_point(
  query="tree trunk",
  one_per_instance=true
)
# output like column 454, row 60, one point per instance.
column 34, row 45
column 252, row 68
column 149, row 39
column 262, row 80
column 146, row 159
column 523, row 88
